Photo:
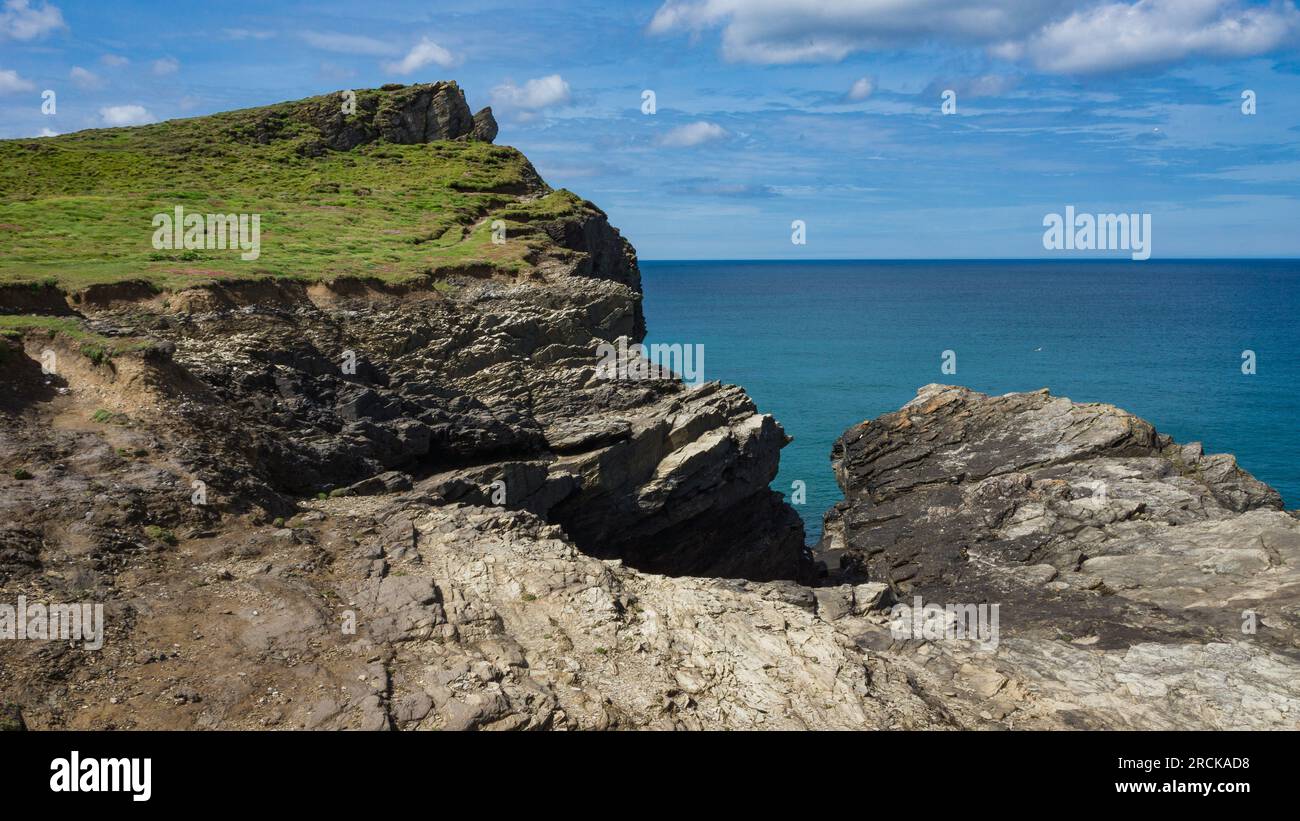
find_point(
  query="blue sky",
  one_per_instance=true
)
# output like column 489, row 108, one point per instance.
column 768, row 111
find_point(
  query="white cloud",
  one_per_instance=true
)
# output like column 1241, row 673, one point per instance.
column 1115, row 36
column 85, row 79
column 861, row 89
column 422, row 54
column 697, row 133
column 542, row 92
column 166, row 65
column 45, row 132
column 347, row 43
column 247, row 34
column 11, row 83
column 115, row 115
column 1065, row 36
column 20, row 20
column 113, row 60
column 795, row 31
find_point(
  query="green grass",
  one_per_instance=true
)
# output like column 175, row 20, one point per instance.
column 10, row 718
column 159, row 534
column 103, row 416
column 15, row 325
column 93, row 346
column 77, row 209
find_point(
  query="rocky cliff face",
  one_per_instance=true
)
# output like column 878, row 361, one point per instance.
column 1140, row 583
column 457, row 396
column 395, row 114
column 1121, row 564
column 302, row 390
column 355, row 440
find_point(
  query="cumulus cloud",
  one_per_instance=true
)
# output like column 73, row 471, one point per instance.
column 115, row 115
column 20, row 20
column 347, row 43
column 542, row 92
column 794, row 31
column 84, row 79
column 166, row 65
column 862, row 88
column 424, row 53
column 1116, row 36
column 11, row 83
column 692, row 134
column 113, row 60
column 1064, row 36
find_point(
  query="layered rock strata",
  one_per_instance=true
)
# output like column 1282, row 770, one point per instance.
column 1140, row 583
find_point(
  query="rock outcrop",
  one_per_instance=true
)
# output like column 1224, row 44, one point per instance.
column 395, row 113
column 321, row 390
column 1139, row 582
column 485, row 126
column 403, row 501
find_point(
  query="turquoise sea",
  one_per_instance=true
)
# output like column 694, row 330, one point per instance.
column 823, row 345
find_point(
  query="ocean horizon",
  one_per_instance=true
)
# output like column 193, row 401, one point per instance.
column 825, row 344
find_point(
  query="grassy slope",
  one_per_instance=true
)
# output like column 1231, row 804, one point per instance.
column 76, row 209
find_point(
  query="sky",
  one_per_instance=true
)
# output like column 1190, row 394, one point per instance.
column 828, row 112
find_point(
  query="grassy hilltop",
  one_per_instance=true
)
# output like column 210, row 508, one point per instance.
column 76, row 210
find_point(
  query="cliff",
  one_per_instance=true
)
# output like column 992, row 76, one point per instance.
column 355, row 379
column 375, row 479
column 1140, row 583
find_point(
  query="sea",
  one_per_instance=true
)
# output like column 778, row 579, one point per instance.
column 823, row 345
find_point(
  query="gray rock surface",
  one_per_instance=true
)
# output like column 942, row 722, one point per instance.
column 403, row 114
column 1140, row 583
column 485, row 126
column 432, row 608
